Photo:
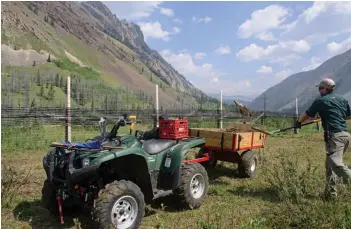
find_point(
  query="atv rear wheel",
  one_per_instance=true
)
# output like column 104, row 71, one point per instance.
column 248, row 164
column 48, row 197
column 193, row 185
column 120, row 205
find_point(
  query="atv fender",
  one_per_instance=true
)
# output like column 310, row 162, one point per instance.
column 114, row 154
column 176, row 156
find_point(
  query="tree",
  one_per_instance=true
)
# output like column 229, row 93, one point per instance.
column 34, row 64
column 45, row 18
column 57, row 80
column 38, row 78
column 92, row 100
column 51, row 93
column 151, row 77
column 61, row 82
column 41, row 93
column 33, row 104
column 52, row 22
column 105, row 102
column 49, row 58
column 26, row 92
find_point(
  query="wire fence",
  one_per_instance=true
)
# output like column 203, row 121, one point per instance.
column 28, row 129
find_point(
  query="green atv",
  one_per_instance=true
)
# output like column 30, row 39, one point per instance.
column 115, row 174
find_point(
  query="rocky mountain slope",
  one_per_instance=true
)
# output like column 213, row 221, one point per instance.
column 130, row 34
column 87, row 33
column 281, row 97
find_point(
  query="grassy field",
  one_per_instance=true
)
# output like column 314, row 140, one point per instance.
column 287, row 192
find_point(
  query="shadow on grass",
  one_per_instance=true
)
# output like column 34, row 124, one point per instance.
column 220, row 171
column 266, row 194
column 40, row 218
column 169, row 203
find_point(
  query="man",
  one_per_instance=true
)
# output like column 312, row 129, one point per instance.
column 333, row 110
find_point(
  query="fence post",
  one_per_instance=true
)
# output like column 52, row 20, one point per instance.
column 157, row 125
column 296, row 131
column 68, row 111
column 264, row 110
column 221, row 110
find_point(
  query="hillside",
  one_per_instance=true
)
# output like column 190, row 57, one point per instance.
column 281, row 97
column 96, row 43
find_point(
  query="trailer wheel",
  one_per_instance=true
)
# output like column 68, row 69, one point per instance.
column 206, row 164
column 193, row 185
column 248, row 164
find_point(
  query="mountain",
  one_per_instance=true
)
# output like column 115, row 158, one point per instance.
column 281, row 97
column 89, row 37
column 228, row 99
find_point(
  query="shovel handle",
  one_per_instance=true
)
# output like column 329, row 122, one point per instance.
column 305, row 124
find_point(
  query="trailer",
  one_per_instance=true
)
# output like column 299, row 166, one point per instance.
column 230, row 145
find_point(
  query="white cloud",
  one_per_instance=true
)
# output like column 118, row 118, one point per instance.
column 314, row 63
column 262, row 20
column 284, row 48
column 223, row 49
column 202, row 20
column 176, row 30
column 215, row 79
column 283, row 74
column 265, row 69
column 337, row 48
column 319, row 22
column 199, row 55
column 203, row 76
column 166, row 11
column 133, row 10
column 266, row 36
column 183, row 62
column 177, row 20
column 285, row 60
column 153, row 30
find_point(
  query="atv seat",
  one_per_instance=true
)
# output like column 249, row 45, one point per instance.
column 155, row 146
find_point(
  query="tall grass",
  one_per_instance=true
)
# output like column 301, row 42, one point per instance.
column 299, row 184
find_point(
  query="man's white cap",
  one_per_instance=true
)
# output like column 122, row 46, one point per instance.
column 327, row 83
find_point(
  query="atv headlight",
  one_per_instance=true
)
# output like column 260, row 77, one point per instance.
column 85, row 162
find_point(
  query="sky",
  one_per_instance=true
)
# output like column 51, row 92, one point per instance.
column 241, row 48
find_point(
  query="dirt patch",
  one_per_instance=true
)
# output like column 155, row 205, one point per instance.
column 74, row 59
column 22, row 57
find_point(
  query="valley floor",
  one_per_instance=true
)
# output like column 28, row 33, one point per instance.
column 287, row 193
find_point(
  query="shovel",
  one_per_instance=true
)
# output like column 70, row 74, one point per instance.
column 285, row 129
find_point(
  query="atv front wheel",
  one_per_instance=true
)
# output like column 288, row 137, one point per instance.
column 120, row 205
column 248, row 164
column 193, row 185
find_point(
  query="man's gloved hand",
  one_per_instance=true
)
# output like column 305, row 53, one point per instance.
column 298, row 125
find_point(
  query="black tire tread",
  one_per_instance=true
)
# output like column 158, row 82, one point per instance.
column 105, row 196
column 245, row 163
column 206, row 164
column 182, row 190
column 48, row 197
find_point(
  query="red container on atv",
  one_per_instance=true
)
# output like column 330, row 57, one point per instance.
column 173, row 129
